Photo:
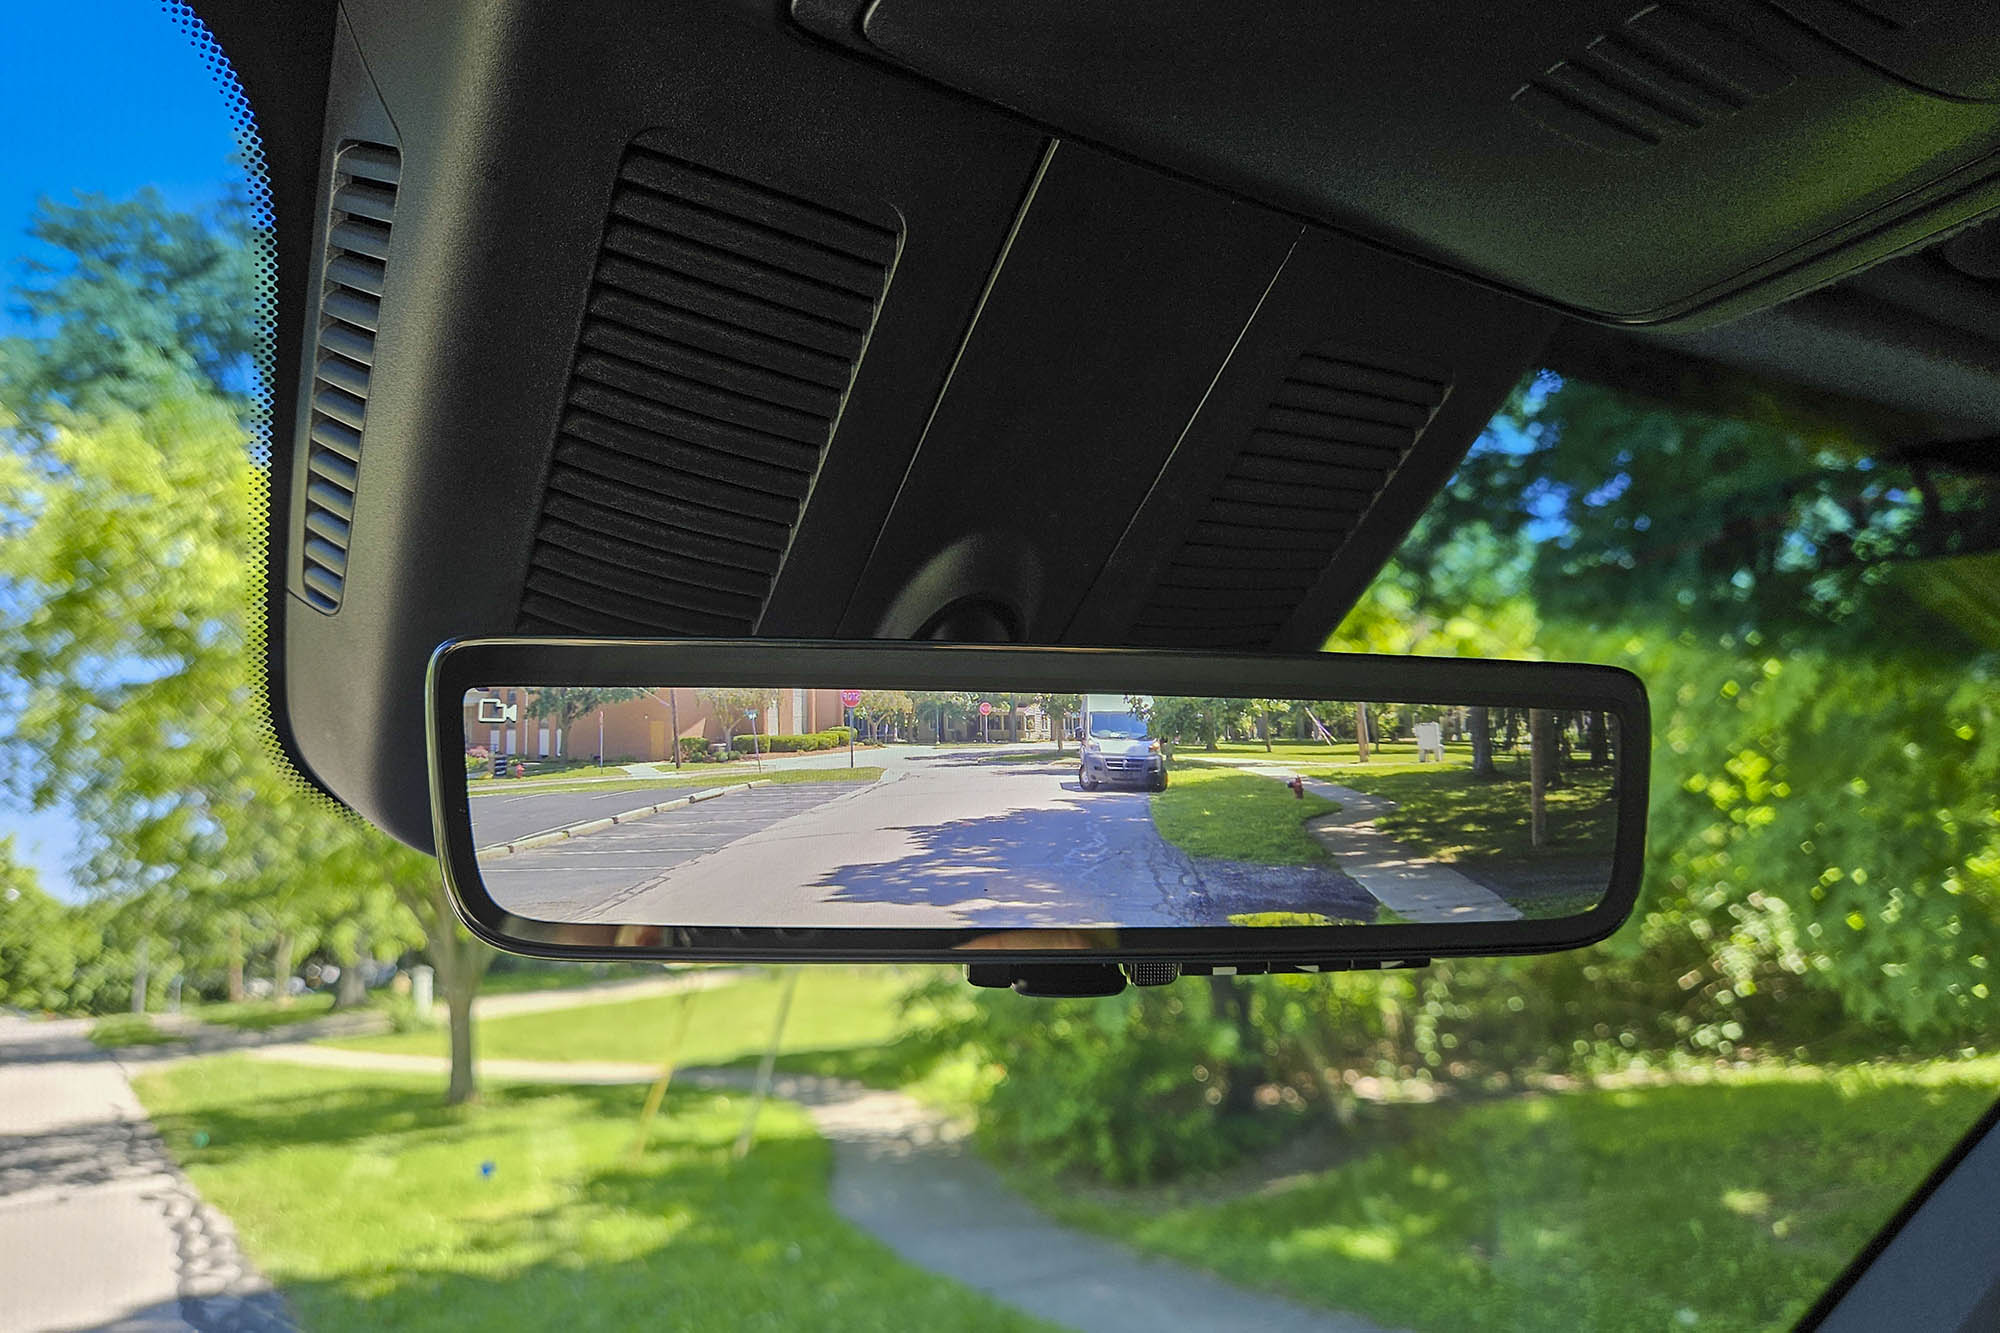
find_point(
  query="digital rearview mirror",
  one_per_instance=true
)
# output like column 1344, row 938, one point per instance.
column 1171, row 812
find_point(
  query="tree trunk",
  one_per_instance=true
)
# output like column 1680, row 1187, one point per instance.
column 1267, row 732
column 464, row 1086
column 460, row 962
column 1361, row 733
column 1231, row 1001
column 1482, row 743
column 281, row 967
column 352, row 990
column 1061, row 721
column 1541, row 765
column 236, row 962
column 1600, row 742
column 139, row 975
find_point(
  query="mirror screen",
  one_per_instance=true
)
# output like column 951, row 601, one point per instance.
column 816, row 806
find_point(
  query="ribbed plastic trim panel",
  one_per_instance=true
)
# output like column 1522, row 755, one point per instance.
column 1665, row 73
column 357, row 256
column 723, row 327
column 1342, row 422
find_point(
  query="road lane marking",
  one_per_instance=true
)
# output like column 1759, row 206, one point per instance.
column 587, row 826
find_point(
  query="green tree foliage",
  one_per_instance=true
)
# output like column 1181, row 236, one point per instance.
column 125, row 520
column 1823, row 867
column 142, row 302
column 1187, row 720
column 42, row 946
column 944, row 709
column 732, row 706
column 1059, row 708
column 1129, row 1089
column 880, row 710
column 1823, row 822
column 564, row 704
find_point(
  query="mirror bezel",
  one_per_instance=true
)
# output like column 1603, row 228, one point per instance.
column 462, row 664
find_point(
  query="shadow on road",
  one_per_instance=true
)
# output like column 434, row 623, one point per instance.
column 1100, row 863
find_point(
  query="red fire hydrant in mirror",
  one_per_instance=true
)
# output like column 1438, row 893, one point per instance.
column 1298, row 786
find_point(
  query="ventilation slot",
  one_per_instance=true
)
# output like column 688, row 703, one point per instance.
column 357, row 255
column 1663, row 74
column 722, row 329
column 1341, row 424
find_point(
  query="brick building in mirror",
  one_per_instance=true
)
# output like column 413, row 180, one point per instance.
column 503, row 720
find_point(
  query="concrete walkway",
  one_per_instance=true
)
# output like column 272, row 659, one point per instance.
column 605, row 992
column 98, row 1228
column 904, row 1174
column 1407, row 882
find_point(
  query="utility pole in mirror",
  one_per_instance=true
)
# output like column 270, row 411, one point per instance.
column 1541, row 760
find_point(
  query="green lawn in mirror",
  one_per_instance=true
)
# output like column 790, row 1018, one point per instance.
column 372, row 1206
column 1482, row 827
column 1224, row 814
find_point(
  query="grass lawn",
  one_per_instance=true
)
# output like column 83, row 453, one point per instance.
column 1443, row 811
column 835, row 1008
column 845, row 1022
column 695, row 776
column 1319, row 752
column 257, row 1015
column 1483, row 827
column 373, row 1206
column 115, row 1030
column 513, row 975
column 1227, row 815
column 1280, row 749
column 1727, row 1204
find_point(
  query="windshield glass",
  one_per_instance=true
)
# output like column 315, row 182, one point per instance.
column 367, row 1119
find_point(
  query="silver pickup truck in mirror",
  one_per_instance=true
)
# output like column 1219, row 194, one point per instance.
column 768, row 800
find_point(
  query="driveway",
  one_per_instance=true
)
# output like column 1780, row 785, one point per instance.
column 949, row 841
column 98, row 1228
column 1002, row 846
column 500, row 815
column 572, row 879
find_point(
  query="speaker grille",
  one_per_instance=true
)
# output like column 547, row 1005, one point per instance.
column 1341, row 423
column 357, row 257
column 723, row 326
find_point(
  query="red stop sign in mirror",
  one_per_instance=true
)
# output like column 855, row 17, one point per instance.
column 850, row 698
column 985, row 709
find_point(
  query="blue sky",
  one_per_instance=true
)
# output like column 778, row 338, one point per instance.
column 101, row 96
